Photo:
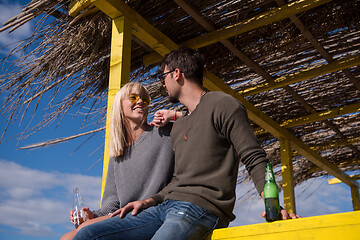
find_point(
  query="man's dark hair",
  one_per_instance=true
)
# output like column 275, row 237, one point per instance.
column 190, row 62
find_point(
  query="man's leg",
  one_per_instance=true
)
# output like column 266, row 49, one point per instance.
column 185, row 220
column 142, row 226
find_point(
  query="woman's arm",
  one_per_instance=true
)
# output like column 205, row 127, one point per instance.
column 162, row 117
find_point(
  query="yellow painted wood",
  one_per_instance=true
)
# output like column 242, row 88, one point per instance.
column 340, row 164
column 352, row 108
column 336, row 180
column 258, row 21
column 141, row 28
column 120, row 60
column 335, row 144
column 303, row 75
column 340, row 226
column 287, row 175
column 355, row 198
column 76, row 6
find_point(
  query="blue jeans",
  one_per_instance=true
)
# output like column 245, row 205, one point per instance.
column 169, row 220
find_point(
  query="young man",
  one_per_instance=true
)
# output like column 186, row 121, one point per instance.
column 208, row 144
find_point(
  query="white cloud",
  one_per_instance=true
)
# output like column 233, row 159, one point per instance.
column 7, row 11
column 32, row 200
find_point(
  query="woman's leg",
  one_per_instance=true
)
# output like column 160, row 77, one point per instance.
column 142, row 226
column 70, row 235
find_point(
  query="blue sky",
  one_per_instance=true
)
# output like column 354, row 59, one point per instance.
column 36, row 185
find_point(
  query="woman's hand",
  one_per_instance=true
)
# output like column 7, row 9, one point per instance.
column 162, row 117
column 89, row 214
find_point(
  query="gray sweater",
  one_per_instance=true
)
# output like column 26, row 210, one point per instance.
column 145, row 168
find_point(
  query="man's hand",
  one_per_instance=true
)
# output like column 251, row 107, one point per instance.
column 285, row 215
column 134, row 207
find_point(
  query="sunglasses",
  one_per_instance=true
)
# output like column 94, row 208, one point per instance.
column 162, row 76
column 134, row 98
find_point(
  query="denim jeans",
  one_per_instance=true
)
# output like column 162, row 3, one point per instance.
column 173, row 220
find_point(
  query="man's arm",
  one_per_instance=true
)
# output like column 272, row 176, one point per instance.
column 237, row 129
column 233, row 123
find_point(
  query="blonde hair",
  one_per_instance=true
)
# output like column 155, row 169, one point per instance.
column 120, row 135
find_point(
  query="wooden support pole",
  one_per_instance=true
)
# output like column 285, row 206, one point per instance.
column 355, row 198
column 287, row 175
column 120, row 60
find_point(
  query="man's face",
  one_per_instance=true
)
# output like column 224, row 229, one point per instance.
column 170, row 85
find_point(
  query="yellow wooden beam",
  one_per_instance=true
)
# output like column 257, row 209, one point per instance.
column 162, row 44
column 341, row 163
column 287, row 175
column 344, row 226
column 120, row 60
column 355, row 198
column 335, row 144
column 336, row 180
column 303, row 75
column 316, row 117
column 141, row 28
column 76, row 6
column 274, row 15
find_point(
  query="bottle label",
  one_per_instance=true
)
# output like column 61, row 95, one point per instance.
column 268, row 176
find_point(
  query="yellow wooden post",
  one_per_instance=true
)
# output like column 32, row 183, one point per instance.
column 355, row 198
column 287, row 175
column 120, row 60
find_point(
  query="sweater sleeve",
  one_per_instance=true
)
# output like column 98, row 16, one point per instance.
column 110, row 201
column 234, row 124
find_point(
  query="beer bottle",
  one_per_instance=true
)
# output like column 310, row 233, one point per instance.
column 271, row 196
column 78, row 214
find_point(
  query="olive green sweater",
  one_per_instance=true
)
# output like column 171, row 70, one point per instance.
column 208, row 145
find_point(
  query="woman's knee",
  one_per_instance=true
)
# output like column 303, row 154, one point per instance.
column 69, row 236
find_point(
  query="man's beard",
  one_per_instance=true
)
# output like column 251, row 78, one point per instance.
column 173, row 99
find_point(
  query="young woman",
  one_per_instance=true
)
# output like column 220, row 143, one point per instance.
column 142, row 160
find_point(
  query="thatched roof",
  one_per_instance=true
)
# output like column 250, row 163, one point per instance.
column 75, row 52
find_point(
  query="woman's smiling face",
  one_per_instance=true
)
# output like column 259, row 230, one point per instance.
column 134, row 107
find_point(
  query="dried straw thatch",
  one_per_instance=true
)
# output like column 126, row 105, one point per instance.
column 74, row 53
